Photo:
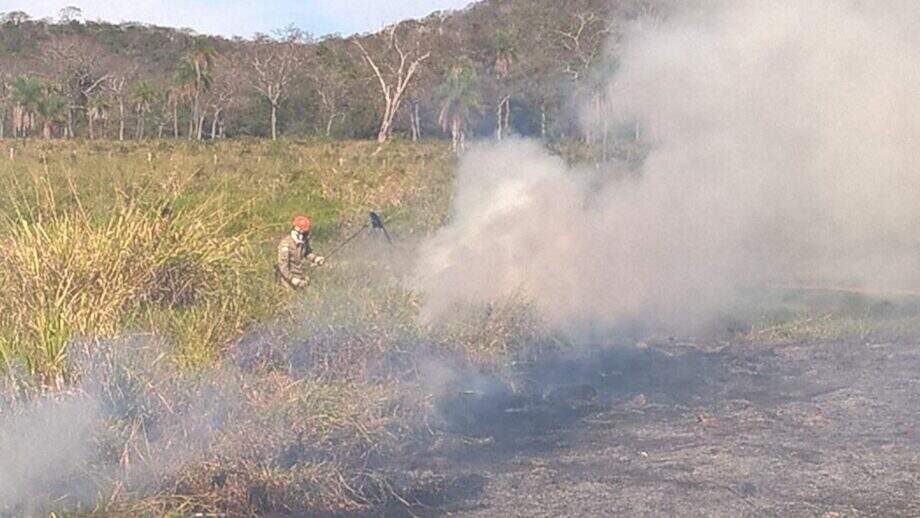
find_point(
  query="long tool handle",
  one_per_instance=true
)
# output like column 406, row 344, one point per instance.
column 344, row 243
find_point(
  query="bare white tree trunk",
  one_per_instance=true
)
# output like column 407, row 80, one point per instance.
column 214, row 123
column 415, row 122
column 195, row 121
column 543, row 120
column 455, row 134
column 200, row 134
column 507, row 121
column 499, row 121
column 175, row 116
column 385, row 125
column 394, row 89
column 273, row 65
column 121, row 119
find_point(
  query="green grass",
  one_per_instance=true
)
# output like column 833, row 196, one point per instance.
column 828, row 316
column 228, row 203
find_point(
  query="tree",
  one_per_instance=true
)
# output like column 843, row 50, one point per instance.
column 179, row 90
column 272, row 64
column 330, row 77
column 26, row 94
column 459, row 97
column 81, row 65
column 504, row 59
column 15, row 18
column 51, row 111
column 118, row 86
column 37, row 101
column 394, row 67
column 580, row 40
column 4, row 102
column 225, row 90
column 97, row 111
column 70, row 14
column 196, row 68
column 144, row 96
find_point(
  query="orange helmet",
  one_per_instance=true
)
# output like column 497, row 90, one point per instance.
column 302, row 224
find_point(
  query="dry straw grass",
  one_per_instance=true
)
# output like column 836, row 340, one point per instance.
column 68, row 274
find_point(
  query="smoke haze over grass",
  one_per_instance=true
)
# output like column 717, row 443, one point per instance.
column 782, row 149
column 44, row 446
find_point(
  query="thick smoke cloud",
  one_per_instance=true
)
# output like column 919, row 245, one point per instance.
column 783, row 140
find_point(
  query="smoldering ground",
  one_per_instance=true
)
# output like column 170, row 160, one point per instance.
column 781, row 141
column 128, row 424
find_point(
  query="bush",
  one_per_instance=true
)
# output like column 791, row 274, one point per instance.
column 69, row 274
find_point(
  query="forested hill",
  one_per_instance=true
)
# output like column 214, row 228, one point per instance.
column 494, row 68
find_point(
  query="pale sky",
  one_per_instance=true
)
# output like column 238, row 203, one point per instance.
column 244, row 17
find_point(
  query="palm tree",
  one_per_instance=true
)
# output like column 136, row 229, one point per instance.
column 174, row 95
column 144, row 95
column 26, row 93
column 97, row 110
column 199, row 60
column 37, row 100
column 459, row 98
column 51, row 110
column 183, row 89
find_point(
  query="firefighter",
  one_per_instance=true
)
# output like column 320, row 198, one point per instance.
column 293, row 250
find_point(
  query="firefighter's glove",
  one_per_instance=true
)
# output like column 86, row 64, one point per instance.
column 299, row 283
column 319, row 260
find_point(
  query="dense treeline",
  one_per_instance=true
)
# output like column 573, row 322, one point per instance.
column 499, row 67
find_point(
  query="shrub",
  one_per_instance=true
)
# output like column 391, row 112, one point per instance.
column 69, row 274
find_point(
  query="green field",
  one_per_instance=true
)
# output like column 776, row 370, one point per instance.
column 141, row 308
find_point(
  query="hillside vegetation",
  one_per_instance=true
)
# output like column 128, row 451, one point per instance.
column 496, row 68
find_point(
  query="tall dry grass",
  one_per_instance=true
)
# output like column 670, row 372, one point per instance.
column 67, row 273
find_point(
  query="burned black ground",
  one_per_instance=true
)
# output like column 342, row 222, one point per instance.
column 684, row 428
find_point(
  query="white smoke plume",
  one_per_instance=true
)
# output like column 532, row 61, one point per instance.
column 59, row 450
column 44, row 446
column 783, row 140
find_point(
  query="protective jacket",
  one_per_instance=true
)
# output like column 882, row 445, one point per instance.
column 291, row 255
